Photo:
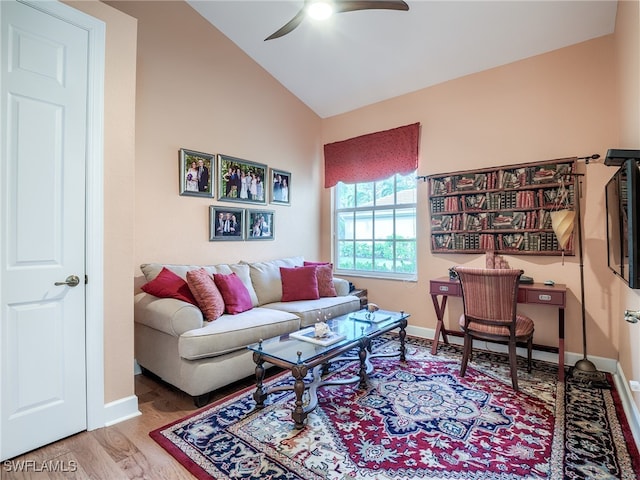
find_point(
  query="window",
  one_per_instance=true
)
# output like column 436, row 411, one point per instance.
column 375, row 226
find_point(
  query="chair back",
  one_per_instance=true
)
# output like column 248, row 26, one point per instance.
column 490, row 296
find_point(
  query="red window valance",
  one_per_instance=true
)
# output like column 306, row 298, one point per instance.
column 372, row 157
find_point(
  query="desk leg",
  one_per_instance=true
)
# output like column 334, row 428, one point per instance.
column 561, row 344
column 440, row 329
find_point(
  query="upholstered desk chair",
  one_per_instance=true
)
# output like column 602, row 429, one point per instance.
column 490, row 298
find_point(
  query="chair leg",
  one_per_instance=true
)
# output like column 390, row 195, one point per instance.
column 513, row 362
column 466, row 352
column 529, row 349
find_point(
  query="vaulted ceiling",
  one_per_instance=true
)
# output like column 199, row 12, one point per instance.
column 363, row 57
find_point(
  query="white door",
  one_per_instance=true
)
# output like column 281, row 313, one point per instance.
column 43, row 88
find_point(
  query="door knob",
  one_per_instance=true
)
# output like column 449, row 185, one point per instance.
column 71, row 281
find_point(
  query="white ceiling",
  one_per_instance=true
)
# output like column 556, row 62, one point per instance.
column 363, row 57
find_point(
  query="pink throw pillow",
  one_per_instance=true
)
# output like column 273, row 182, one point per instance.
column 324, row 275
column 206, row 293
column 299, row 283
column 169, row 285
column 235, row 294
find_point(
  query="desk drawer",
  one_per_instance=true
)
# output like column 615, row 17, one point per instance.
column 544, row 297
column 445, row 288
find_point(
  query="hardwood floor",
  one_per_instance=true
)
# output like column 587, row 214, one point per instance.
column 120, row 452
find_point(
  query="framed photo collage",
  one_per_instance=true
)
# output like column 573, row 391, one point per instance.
column 238, row 181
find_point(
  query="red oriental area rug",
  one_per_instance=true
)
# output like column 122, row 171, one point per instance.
column 417, row 420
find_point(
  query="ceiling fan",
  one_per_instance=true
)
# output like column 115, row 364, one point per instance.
column 324, row 8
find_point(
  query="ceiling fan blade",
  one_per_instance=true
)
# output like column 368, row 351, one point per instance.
column 353, row 5
column 341, row 6
column 289, row 26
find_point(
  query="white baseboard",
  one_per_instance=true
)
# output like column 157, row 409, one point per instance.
column 630, row 408
column 429, row 333
column 603, row 364
column 121, row 410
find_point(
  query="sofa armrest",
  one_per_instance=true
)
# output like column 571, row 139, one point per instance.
column 342, row 286
column 168, row 315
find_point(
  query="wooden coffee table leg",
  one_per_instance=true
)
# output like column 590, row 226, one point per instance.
column 298, row 414
column 403, row 335
column 260, row 395
column 362, row 354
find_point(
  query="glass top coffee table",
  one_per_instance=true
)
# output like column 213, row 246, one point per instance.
column 352, row 330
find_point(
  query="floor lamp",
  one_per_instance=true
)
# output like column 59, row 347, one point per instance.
column 562, row 222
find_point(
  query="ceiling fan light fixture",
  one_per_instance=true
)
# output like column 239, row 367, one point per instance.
column 323, row 9
column 320, row 10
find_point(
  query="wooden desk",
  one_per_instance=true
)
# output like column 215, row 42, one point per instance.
column 535, row 293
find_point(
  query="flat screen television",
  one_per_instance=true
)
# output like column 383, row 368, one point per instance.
column 623, row 219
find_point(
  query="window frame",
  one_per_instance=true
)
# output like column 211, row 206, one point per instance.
column 374, row 209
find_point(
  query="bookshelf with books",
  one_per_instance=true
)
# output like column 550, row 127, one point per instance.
column 506, row 209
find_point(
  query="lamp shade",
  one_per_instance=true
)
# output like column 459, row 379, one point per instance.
column 562, row 222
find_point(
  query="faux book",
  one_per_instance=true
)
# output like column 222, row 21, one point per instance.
column 377, row 317
column 309, row 335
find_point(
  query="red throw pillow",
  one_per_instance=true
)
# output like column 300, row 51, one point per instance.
column 324, row 275
column 206, row 293
column 299, row 283
column 169, row 285
column 235, row 294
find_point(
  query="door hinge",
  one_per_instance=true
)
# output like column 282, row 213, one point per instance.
column 86, row 279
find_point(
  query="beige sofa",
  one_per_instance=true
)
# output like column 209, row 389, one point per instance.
column 174, row 342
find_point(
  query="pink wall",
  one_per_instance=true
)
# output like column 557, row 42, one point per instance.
column 199, row 91
column 119, row 156
column 549, row 106
column 196, row 90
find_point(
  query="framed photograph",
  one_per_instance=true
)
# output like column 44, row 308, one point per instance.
column 226, row 223
column 260, row 225
column 196, row 173
column 280, row 186
column 241, row 180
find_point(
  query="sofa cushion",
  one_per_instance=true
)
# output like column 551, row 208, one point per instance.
column 266, row 280
column 243, row 272
column 168, row 315
column 151, row 270
column 169, row 285
column 233, row 332
column 299, row 283
column 342, row 286
column 235, row 294
column 311, row 311
column 206, row 293
column 324, row 274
